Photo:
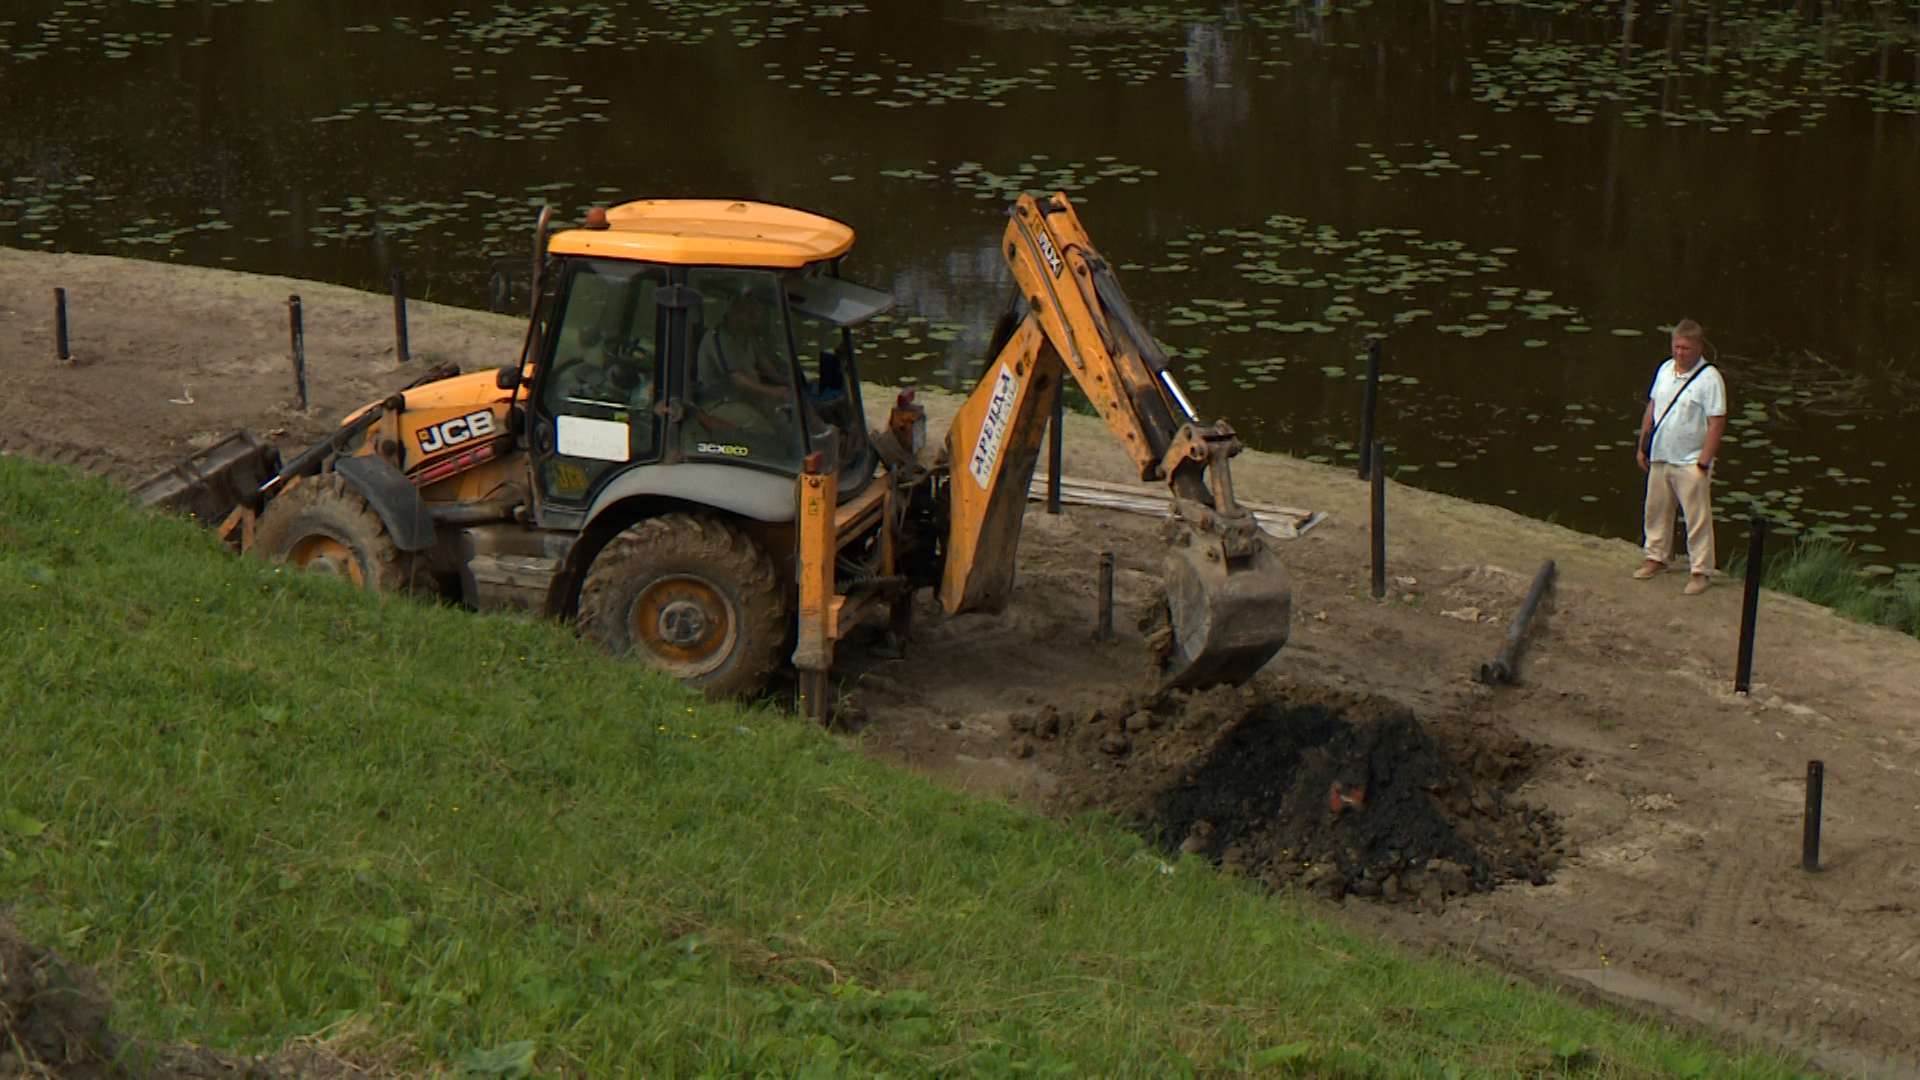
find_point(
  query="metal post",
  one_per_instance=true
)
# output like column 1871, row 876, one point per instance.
column 1105, row 631
column 400, row 349
column 1750, row 603
column 60, row 324
column 298, row 334
column 813, row 696
column 1369, row 402
column 1377, row 459
column 1810, row 836
column 1054, row 438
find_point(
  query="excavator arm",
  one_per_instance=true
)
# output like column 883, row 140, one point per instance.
column 1227, row 600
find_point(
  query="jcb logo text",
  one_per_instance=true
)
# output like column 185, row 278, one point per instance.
column 453, row 432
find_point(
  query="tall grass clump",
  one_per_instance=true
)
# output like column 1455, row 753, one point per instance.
column 1827, row 572
column 266, row 807
column 1902, row 609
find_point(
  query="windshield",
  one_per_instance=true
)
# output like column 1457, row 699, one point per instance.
column 602, row 379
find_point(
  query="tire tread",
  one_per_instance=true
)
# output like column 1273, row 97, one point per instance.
column 330, row 500
column 721, row 549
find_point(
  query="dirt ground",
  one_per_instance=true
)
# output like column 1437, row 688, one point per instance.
column 55, row 1018
column 168, row 359
column 1662, row 812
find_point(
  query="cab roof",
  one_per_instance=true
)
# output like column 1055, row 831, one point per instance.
column 709, row 232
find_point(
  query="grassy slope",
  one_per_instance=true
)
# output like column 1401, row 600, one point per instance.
column 266, row 806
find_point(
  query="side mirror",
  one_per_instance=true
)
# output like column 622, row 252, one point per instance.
column 508, row 377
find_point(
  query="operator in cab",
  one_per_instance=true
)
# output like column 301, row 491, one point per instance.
column 737, row 366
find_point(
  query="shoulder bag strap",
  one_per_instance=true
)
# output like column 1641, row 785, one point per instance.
column 1655, row 430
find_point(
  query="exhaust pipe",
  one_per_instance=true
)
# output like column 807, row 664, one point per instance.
column 509, row 377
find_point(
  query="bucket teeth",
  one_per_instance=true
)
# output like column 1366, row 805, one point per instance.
column 1228, row 615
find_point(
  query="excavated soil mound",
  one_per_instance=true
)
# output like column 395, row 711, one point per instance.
column 1305, row 786
column 53, row 1016
column 53, row 1026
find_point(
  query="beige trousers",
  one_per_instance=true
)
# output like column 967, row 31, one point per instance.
column 1689, row 490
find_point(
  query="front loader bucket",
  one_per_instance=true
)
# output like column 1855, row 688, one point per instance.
column 1229, row 616
column 212, row 482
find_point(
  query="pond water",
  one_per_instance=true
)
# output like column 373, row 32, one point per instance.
column 1519, row 197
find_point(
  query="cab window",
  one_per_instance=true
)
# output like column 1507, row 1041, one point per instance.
column 825, row 308
column 740, row 382
column 831, row 394
column 602, row 380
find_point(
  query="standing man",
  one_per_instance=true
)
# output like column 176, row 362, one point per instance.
column 1679, row 436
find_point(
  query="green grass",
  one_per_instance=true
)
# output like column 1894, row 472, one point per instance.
column 266, row 807
column 1828, row 573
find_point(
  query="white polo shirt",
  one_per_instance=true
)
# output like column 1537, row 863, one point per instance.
column 1683, row 434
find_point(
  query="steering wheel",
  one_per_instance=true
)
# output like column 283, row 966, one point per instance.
column 628, row 352
column 628, row 365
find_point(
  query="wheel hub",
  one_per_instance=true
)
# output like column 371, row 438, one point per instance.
column 682, row 624
column 685, row 624
column 323, row 554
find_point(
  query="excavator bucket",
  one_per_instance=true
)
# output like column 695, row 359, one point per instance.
column 1228, row 616
column 210, row 483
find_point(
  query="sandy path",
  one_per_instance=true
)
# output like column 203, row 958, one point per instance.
column 166, row 358
column 1684, row 800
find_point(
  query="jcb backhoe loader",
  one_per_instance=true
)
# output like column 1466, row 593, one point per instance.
column 680, row 463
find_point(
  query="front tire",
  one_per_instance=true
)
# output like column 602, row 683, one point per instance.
column 692, row 596
column 324, row 524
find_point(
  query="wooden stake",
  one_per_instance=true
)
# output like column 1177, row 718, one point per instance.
column 400, row 349
column 298, row 334
column 60, row 325
column 1378, row 459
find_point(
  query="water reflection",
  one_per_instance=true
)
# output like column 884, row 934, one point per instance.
column 955, row 307
column 1517, row 195
column 1217, row 97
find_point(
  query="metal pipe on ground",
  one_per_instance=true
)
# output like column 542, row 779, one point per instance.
column 1750, row 602
column 1810, row 833
column 1505, row 668
column 1376, row 455
column 296, row 330
column 1104, row 630
column 1369, row 403
column 60, row 348
column 400, row 347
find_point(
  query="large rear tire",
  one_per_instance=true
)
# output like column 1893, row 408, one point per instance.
column 693, row 596
column 324, row 524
